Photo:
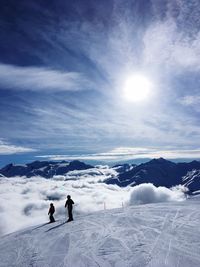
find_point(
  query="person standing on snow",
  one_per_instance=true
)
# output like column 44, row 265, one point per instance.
column 51, row 212
column 69, row 204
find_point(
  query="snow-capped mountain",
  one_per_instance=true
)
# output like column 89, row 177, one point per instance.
column 192, row 181
column 153, row 235
column 160, row 172
column 46, row 169
column 121, row 168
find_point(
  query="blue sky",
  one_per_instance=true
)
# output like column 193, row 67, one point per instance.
column 62, row 70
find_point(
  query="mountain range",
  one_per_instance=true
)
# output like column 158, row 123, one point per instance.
column 46, row 169
column 160, row 172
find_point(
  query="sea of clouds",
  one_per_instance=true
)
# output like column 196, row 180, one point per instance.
column 25, row 201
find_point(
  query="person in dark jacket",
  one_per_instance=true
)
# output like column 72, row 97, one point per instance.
column 69, row 204
column 51, row 212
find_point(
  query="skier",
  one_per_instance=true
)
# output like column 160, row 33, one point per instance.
column 51, row 212
column 69, row 204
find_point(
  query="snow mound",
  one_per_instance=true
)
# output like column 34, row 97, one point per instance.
column 148, row 193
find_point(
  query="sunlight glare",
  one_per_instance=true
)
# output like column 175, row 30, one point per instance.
column 137, row 88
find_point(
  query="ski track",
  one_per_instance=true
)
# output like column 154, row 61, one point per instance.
column 154, row 235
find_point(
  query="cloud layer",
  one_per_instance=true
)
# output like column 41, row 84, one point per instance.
column 25, row 202
column 129, row 153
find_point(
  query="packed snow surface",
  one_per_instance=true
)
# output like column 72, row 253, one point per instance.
column 156, row 235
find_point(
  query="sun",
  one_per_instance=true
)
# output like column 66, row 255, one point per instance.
column 137, row 88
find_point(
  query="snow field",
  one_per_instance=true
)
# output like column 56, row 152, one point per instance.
column 153, row 235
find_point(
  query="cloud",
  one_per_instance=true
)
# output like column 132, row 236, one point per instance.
column 155, row 153
column 31, row 207
column 190, row 100
column 53, row 195
column 8, row 149
column 165, row 44
column 128, row 153
column 25, row 202
column 106, row 53
column 148, row 193
column 94, row 175
column 40, row 79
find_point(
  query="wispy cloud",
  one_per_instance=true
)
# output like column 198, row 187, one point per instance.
column 128, row 153
column 40, row 79
column 165, row 44
column 190, row 100
column 155, row 43
column 8, row 149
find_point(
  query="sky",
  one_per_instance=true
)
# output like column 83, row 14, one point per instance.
column 63, row 69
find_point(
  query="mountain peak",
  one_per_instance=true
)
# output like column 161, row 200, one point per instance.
column 158, row 161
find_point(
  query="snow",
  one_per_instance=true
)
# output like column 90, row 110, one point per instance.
column 151, row 235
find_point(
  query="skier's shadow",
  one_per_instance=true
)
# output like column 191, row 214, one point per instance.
column 40, row 226
column 57, row 226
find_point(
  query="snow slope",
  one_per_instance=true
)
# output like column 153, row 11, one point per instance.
column 156, row 235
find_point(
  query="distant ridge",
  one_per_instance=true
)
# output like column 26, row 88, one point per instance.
column 46, row 169
column 160, row 172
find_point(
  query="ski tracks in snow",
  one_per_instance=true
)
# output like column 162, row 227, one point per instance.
column 172, row 246
column 156, row 235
